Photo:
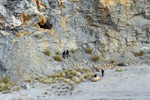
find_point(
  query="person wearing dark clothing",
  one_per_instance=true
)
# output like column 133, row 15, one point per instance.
column 64, row 53
column 67, row 53
column 102, row 72
column 95, row 75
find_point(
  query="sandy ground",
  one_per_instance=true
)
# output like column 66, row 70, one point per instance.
column 131, row 84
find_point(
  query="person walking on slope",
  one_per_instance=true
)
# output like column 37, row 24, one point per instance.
column 102, row 72
column 67, row 53
column 64, row 53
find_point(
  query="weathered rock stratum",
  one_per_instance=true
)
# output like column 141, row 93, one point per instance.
column 112, row 28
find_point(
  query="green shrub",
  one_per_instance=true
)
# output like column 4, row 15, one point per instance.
column 112, row 61
column 71, row 83
column 81, row 79
column 6, row 84
column 79, row 69
column 78, row 81
column 53, row 75
column 58, row 58
column 73, row 79
column 70, row 70
column 96, row 58
column 57, row 53
column 6, row 79
column 136, row 54
column 89, row 76
column 74, row 73
column 36, row 35
column 72, row 51
column 18, row 88
column 45, row 93
column 62, row 74
column 45, row 81
column 48, row 76
column 89, row 51
column 141, row 53
column 47, row 52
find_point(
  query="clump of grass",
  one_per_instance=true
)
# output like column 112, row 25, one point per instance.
column 74, row 73
column 71, row 83
column 64, row 68
column 6, row 79
column 112, row 61
column 53, row 75
column 82, row 79
column 20, row 99
column 37, row 78
column 96, row 58
column 6, row 84
column 62, row 74
column 48, row 76
column 67, row 80
column 89, row 76
column 2, row 86
column 57, row 53
column 78, row 75
column 89, row 51
column 63, row 84
column 58, row 58
column 29, row 80
column 18, row 88
column 36, row 35
column 86, row 69
column 53, row 81
column 141, row 53
column 85, row 76
column 136, row 54
column 50, row 82
column 47, row 52
column 79, row 69
column 72, row 51
column 78, row 81
column 45, row 81
column 58, row 75
column 70, row 70
column 73, row 79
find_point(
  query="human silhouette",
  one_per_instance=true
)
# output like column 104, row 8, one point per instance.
column 67, row 53
column 64, row 53
column 102, row 72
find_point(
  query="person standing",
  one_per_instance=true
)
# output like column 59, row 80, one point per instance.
column 102, row 72
column 67, row 53
column 64, row 53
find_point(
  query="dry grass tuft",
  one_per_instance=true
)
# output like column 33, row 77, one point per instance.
column 96, row 58
column 141, row 53
column 89, row 51
column 47, row 52
column 73, row 51
column 58, row 58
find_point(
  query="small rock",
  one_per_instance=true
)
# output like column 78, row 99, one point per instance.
column 96, row 79
column 26, row 86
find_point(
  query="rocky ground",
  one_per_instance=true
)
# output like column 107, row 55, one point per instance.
column 131, row 84
column 116, row 30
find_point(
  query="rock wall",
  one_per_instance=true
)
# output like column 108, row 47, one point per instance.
column 110, row 27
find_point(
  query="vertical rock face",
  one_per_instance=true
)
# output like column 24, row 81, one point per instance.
column 110, row 27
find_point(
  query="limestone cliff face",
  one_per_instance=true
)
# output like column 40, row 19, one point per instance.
column 110, row 27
